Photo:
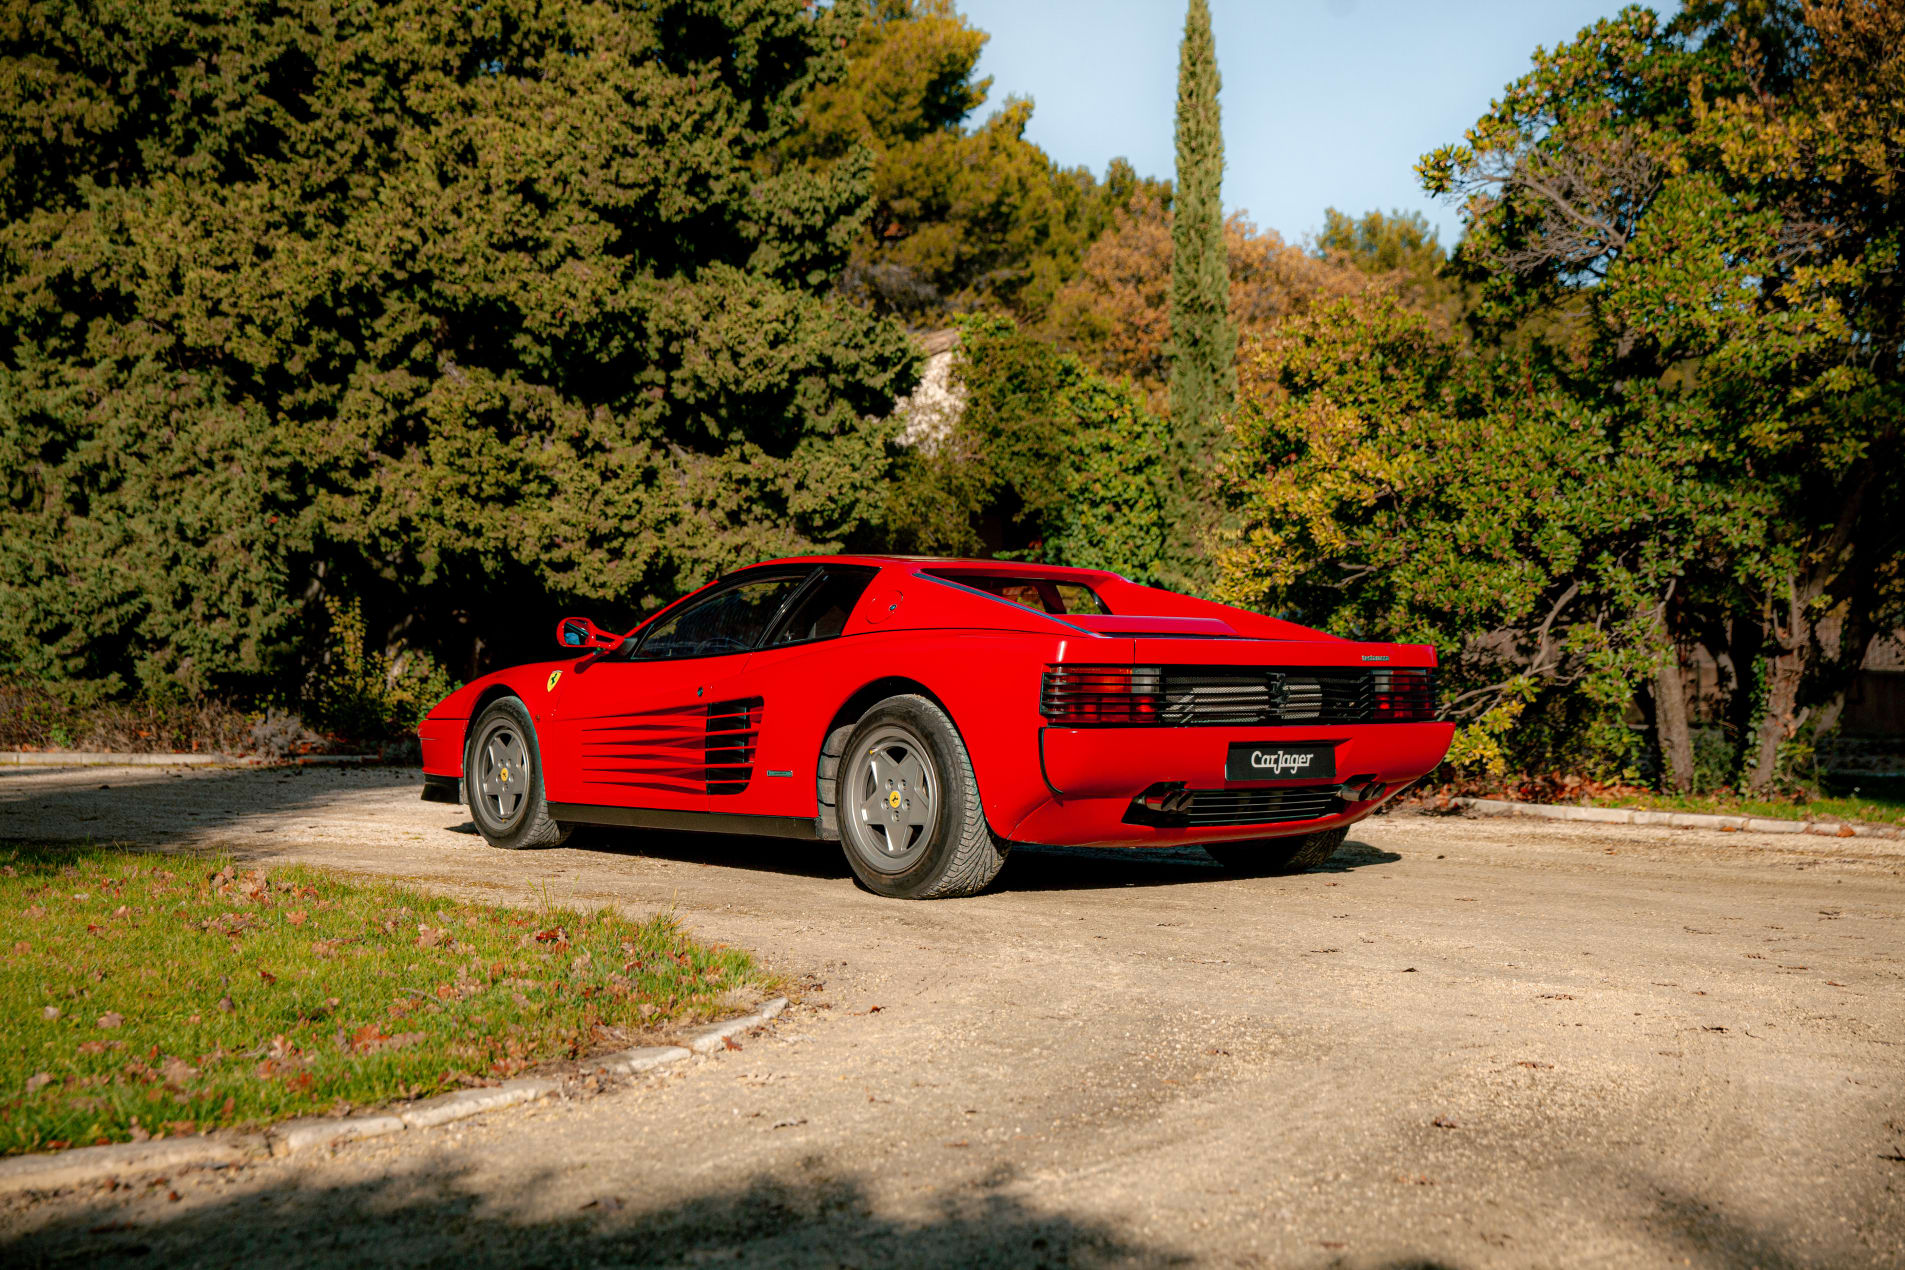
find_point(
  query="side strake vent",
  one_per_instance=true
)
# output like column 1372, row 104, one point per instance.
column 1214, row 696
column 733, row 729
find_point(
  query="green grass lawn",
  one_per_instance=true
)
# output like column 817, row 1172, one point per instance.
column 144, row 995
column 1877, row 800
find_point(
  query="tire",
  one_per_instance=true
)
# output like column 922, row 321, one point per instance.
column 911, row 823
column 1273, row 857
column 502, row 778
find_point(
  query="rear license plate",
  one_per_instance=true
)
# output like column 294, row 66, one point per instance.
column 1270, row 762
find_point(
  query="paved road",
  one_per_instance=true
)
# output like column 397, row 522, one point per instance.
column 1462, row 1044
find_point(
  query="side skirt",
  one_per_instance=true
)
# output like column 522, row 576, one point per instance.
column 688, row 821
column 442, row 789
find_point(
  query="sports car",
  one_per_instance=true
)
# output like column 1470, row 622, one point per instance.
column 930, row 714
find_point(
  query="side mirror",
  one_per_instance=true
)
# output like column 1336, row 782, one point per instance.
column 580, row 632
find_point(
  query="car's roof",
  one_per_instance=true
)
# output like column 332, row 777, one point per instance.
column 915, row 564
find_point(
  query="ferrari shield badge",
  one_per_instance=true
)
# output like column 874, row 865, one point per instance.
column 553, row 676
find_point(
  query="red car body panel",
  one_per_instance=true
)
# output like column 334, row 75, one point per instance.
column 644, row 735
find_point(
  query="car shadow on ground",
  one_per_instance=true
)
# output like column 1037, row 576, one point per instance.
column 1027, row 868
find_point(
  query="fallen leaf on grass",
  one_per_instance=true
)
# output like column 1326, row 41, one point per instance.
column 111, row 1018
column 34, row 912
column 266, row 975
column 296, row 917
column 50, row 1013
column 38, row 1081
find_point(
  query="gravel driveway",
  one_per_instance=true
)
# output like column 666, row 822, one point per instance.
column 1462, row 1043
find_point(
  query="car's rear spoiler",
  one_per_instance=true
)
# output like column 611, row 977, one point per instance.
column 1181, row 627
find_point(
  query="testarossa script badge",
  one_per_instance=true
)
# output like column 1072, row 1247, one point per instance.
column 1247, row 762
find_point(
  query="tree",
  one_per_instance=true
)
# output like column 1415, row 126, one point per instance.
column 1047, row 461
column 963, row 217
column 1115, row 313
column 1203, row 340
column 1716, row 197
column 1402, row 250
column 1391, row 484
column 469, row 312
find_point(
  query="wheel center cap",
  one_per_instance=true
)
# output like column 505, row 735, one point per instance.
column 502, row 774
column 893, row 799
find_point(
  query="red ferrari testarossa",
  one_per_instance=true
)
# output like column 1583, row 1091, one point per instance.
column 928, row 714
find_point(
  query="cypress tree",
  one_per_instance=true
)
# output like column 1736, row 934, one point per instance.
column 1203, row 340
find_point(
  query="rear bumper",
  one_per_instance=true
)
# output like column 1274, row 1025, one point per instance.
column 1093, row 774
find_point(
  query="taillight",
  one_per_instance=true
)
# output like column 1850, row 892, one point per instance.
column 1404, row 695
column 1079, row 696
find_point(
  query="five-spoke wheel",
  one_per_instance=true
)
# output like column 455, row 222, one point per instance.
column 503, row 779
column 910, row 817
column 892, row 794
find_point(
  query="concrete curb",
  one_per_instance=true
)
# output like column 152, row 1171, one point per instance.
column 1675, row 819
column 94, row 1164
column 87, row 758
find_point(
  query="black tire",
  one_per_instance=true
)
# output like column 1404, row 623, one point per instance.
column 911, row 823
column 1274, row 857
column 511, row 812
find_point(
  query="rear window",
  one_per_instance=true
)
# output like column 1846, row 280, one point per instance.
column 1047, row 595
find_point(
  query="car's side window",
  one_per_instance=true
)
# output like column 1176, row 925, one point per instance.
column 821, row 611
column 731, row 620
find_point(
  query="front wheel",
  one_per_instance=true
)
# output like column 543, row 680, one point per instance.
column 502, row 775
column 1272, row 857
column 910, row 818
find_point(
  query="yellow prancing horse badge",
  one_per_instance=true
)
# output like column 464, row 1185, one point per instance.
column 553, row 676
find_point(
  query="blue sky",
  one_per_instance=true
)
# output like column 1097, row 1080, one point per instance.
column 1327, row 103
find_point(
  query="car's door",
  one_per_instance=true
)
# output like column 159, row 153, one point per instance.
column 660, row 725
column 795, row 680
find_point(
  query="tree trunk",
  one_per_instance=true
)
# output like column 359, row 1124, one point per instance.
column 1780, row 720
column 1670, row 724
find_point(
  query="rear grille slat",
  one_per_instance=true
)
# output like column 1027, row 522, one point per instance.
column 1211, row 696
column 1229, row 808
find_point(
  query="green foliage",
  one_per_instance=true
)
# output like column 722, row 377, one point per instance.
column 359, row 692
column 1706, row 209
column 419, row 303
column 963, row 217
column 1403, row 251
column 1048, row 461
column 174, row 994
column 1390, row 486
column 1203, row 337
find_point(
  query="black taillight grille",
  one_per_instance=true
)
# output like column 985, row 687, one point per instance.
column 1214, row 696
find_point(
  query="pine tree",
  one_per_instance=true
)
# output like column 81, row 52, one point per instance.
column 1203, row 339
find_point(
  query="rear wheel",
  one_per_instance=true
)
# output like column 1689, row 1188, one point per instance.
column 502, row 777
column 910, row 818
column 1270, row 857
